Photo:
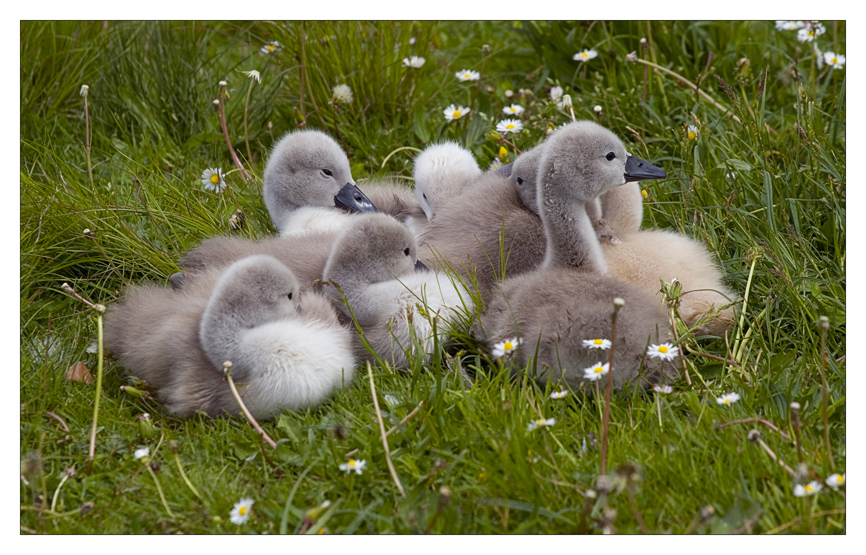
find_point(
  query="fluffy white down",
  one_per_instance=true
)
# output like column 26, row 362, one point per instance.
column 312, row 219
column 443, row 299
column 441, row 171
column 293, row 365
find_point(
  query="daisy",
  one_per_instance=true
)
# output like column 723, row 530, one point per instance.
column 789, row 25
column 644, row 193
column 585, row 56
column 836, row 61
column 556, row 93
column 541, row 422
column 811, row 488
column 559, row 394
column 453, row 112
column 353, row 464
column 271, row 48
column 505, row 347
column 663, row 389
column 665, row 351
column 141, row 453
column 603, row 344
column 342, row 94
column 835, row 480
column 212, row 179
column 255, row 75
column 692, row 133
column 414, row 62
column 509, row 126
column 468, row 75
column 411, row 41
column 513, row 110
column 495, row 164
column 596, row 371
column 241, row 511
column 728, row 399
column 810, row 32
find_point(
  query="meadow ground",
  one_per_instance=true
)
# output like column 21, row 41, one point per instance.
column 756, row 172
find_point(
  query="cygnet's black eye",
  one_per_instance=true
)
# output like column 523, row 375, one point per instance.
column 610, row 156
column 520, row 181
column 290, row 296
column 406, row 251
column 328, row 172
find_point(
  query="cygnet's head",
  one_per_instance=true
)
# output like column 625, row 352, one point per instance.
column 591, row 160
column 308, row 168
column 255, row 290
column 440, row 172
column 524, row 173
column 372, row 249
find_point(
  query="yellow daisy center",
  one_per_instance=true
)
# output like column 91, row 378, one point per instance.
column 242, row 511
column 811, row 33
column 809, row 488
column 726, row 401
column 467, row 75
column 540, row 422
column 585, row 54
column 271, row 47
column 509, row 126
column 840, row 479
column 598, row 369
column 833, row 61
column 215, row 178
column 692, row 135
column 508, row 345
column 456, row 114
column 320, row 531
column 352, row 464
column 663, row 349
column 597, row 341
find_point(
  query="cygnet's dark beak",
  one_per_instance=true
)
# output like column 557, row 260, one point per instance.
column 420, row 267
column 505, row 170
column 352, row 199
column 641, row 170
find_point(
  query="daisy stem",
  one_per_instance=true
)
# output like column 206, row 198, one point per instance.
column 227, row 371
column 382, row 431
column 677, row 340
column 92, row 451
column 159, row 490
column 617, row 304
column 185, row 477
column 87, row 140
column 659, row 405
column 823, row 326
column 246, row 118
column 57, row 491
column 795, row 421
column 222, row 117
column 755, row 437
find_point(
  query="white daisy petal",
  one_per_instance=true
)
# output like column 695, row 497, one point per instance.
column 665, row 351
column 509, row 126
column 596, row 371
column 212, row 179
column 585, row 55
column 728, row 399
column 603, row 344
column 453, row 112
column 468, row 75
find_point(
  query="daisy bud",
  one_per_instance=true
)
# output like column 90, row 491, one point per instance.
column 643, row 41
column 223, row 83
column 753, row 435
column 632, row 57
column 597, row 109
column 173, row 446
column 619, row 302
column 824, row 323
column 316, row 513
column 444, row 496
column 485, row 49
column 134, row 391
column 509, row 93
column 84, row 90
column 566, row 100
column 795, row 405
column 145, row 426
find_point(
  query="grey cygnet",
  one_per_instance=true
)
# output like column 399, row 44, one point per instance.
column 287, row 349
column 307, row 183
column 374, row 265
column 568, row 300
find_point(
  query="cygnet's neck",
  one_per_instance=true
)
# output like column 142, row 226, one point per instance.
column 221, row 325
column 571, row 240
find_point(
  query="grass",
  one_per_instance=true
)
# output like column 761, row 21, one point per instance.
column 766, row 196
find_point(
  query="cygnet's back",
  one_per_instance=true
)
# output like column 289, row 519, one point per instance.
column 374, row 265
